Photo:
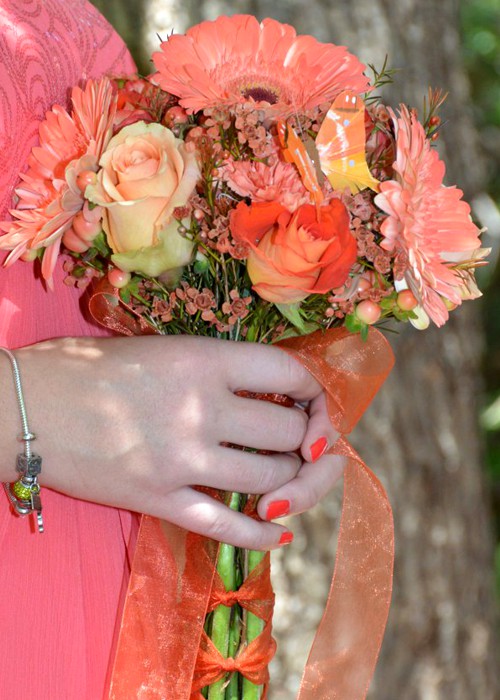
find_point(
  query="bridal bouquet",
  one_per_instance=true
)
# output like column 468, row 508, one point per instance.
column 255, row 188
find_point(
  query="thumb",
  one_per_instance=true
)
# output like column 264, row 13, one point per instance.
column 320, row 433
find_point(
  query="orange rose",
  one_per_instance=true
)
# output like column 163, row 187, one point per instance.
column 294, row 255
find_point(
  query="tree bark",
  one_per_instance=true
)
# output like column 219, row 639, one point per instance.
column 421, row 434
column 128, row 18
column 423, row 429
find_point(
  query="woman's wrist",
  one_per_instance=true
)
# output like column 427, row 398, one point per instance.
column 10, row 446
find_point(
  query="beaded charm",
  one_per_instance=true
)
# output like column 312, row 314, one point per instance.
column 24, row 494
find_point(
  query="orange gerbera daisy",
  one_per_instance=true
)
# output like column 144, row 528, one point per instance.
column 51, row 193
column 235, row 60
column 427, row 221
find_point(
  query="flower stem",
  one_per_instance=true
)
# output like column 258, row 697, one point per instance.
column 232, row 690
column 221, row 620
column 254, row 626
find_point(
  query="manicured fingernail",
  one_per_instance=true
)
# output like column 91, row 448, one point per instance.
column 286, row 538
column 277, row 509
column 318, row 448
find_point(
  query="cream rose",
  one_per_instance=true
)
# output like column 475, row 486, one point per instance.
column 145, row 173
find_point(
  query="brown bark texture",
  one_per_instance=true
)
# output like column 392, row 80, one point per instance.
column 421, row 434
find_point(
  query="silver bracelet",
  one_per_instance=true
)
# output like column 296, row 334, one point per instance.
column 24, row 494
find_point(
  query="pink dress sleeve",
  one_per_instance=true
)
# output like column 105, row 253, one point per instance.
column 60, row 592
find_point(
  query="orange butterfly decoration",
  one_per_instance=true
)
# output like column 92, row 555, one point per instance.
column 295, row 151
column 340, row 147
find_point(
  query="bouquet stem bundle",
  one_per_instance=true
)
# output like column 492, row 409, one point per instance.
column 233, row 627
column 226, row 624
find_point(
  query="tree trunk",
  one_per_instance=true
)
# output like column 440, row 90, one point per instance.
column 128, row 18
column 421, row 434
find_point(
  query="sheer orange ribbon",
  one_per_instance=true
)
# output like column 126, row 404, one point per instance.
column 255, row 594
column 169, row 591
column 252, row 662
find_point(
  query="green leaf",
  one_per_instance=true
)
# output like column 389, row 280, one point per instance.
column 125, row 295
column 100, row 244
column 292, row 313
column 289, row 333
column 355, row 325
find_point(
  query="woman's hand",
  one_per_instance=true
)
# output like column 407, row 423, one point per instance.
column 137, row 422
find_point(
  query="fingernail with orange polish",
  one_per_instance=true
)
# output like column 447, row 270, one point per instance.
column 318, row 448
column 277, row 509
column 286, row 538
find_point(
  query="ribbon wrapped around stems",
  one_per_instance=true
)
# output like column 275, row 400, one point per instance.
column 252, row 662
column 169, row 591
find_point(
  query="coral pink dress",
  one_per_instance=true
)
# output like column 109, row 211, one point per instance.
column 60, row 592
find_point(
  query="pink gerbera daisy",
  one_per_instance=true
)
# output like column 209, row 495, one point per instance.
column 51, row 193
column 237, row 59
column 427, row 221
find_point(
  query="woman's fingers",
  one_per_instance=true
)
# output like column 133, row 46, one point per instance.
column 310, row 485
column 247, row 472
column 320, row 433
column 198, row 512
column 262, row 425
column 267, row 369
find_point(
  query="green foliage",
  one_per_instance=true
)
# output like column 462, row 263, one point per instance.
column 481, row 39
column 481, row 32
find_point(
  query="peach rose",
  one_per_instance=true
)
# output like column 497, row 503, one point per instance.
column 293, row 255
column 145, row 173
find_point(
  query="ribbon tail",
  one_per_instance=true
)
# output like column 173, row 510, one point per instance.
column 164, row 612
column 347, row 644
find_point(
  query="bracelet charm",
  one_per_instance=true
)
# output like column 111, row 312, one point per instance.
column 24, row 494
